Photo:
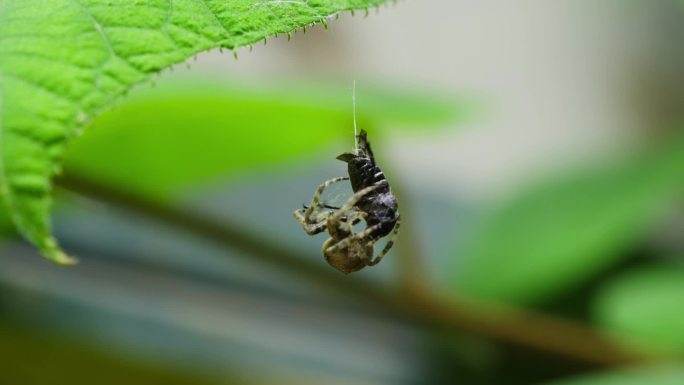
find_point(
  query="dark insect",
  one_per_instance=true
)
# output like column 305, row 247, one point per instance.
column 372, row 202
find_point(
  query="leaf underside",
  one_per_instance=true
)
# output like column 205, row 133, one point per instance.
column 64, row 61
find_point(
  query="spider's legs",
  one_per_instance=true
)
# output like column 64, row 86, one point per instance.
column 389, row 244
column 336, row 229
column 354, row 238
column 343, row 228
column 312, row 228
column 355, row 199
column 304, row 215
column 319, row 191
column 325, row 206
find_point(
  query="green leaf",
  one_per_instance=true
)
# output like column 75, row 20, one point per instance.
column 645, row 308
column 555, row 234
column 171, row 137
column 64, row 61
column 186, row 131
column 654, row 375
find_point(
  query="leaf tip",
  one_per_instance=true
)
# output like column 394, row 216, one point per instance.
column 54, row 254
column 62, row 259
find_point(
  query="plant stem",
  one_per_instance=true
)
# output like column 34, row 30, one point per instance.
column 516, row 326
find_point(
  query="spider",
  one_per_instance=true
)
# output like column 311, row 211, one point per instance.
column 372, row 202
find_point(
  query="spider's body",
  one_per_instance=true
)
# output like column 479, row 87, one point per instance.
column 372, row 202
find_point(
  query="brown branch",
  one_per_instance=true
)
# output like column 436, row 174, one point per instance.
column 519, row 327
column 411, row 273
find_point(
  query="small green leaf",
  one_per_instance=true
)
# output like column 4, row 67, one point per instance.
column 654, row 375
column 170, row 137
column 64, row 61
column 645, row 308
column 553, row 235
column 191, row 130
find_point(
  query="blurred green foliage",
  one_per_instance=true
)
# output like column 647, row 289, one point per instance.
column 657, row 375
column 554, row 235
column 184, row 132
column 645, row 307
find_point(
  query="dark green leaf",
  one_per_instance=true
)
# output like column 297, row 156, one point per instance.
column 554, row 235
column 645, row 308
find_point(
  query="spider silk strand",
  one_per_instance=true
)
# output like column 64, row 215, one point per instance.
column 356, row 137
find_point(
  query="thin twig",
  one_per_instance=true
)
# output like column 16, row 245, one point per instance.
column 520, row 327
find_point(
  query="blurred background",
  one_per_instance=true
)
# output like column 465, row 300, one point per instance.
column 537, row 152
